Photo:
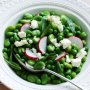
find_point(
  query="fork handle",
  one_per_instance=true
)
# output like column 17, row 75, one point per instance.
column 62, row 77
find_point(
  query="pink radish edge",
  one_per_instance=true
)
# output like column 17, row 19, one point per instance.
column 80, row 41
column 39, row 46
column 31, row 57
column 25, row 26
column 58, row 58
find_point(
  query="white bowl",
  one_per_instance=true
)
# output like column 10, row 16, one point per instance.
column 8, row 76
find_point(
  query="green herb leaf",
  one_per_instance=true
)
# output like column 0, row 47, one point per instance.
column 13, row 65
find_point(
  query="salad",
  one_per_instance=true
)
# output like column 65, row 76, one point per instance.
column 45, row 40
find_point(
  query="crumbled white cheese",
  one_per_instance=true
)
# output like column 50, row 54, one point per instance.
column 22, row 34
column 23, row 42
column 68, row 59
column 76, row 62
column 34, row 24
column 65, row 43
column 56, row 21
column 17, row 44
column 54, row 42
column 81, row 53
column 30, row 41
column 39, row 55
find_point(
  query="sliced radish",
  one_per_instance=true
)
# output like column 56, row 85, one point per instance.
column 59, row 57
column 42, row 45
column 25, row 26
column 30, row 54
column 77, row 41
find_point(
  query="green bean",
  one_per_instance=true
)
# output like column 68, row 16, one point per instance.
column 39, row 65
column 6, row 43
column 44, row 79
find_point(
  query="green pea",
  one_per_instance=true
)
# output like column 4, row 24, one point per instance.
column 9, row 29
column 31, row 78
column 45, row 13
column 51, row 36
column 20, row 50
column 77, row 27
column 38, row 18
column 6, row 43
column 73, row 74
column 57, row 49
column 62, row 60
column 71, row 56
column 55, row 31
column 9, row 34
column 69, row 34
column 52, row 67
column 83, row 35
column 63, row 19
column 54, row 26
column 59, row 38
column 68, row 76
column 86, row 48
column 78, row 33
column 68, row 71
column 16, row 30
column 50, row 48
column 31, row 62
column 28, row 16
column 50, row 31
column 74, row 51
column 36, row 33
column 56, row 81
column 69, row 48
column 60, row 34
column 12, row 39
column 5, row 50
column 39, row 65
column 67, row 65
column 44, row 79
column 16, row 38
column 74, row 46
column 50, row 61
column 66, row 31
column 84, row 42
column 49, row 66
column 18, row 26
column 78, row 70
column 83, row 59
column 5, row 55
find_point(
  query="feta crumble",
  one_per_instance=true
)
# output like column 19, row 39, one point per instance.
column 23, row 42
column 21, row 34
column 81, row 53
column 34, row 24
column 56, row 21
column 65, row 43
column 17, row 44
column 68, row 60
column 76, row 62
column 30, row 41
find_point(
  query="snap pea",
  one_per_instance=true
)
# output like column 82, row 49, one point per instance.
column 44, row 79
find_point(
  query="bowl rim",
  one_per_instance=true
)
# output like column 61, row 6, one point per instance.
column 23, row 11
